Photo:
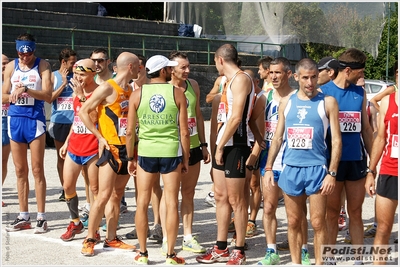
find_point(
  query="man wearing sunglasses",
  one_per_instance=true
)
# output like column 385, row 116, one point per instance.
column 328, row 70
column 27, row 84
column 102, row 61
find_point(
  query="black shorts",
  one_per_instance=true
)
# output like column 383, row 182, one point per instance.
column 196, row 155
column 59, row 131
column 234, row 158
column 386, row 186
column 351, row 170
column 159, row 165
column 116, row 157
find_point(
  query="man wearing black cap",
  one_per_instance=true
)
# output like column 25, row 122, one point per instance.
column 328, row 70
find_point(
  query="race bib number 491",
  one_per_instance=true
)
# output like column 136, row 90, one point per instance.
column 300, row 137
column 350, row 121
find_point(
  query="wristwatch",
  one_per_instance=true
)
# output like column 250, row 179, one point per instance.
column 369, row 170
column 203, row 144
column 82, row 99
column 331, row 173
column 25, row 89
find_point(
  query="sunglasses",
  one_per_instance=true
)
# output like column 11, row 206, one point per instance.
column 99, row 60
column 85, row 69
column 25, row 54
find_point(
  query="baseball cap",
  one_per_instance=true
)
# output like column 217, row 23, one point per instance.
column 158, row 62
column 328, row 62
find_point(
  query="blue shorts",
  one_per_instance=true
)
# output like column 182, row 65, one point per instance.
column 161, row 165
column 25, row 130
column 4, row 126
column 80, row 160
column 295, row 181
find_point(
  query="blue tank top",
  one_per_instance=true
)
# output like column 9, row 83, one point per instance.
column 62, row 107
column 27, row 106
column 350, row 101
column 305, row 131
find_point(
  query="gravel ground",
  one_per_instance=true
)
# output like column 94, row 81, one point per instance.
column 26, row 248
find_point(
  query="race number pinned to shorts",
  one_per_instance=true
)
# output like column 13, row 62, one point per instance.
column 122, row 123
column 4, row 109
column 79, row 127
column 64, row 103
column 395, row 147
column 192, row 124
column 25, row 100
column 221, row 116
column 300, row 137
column 350, row 121
column 270, row 128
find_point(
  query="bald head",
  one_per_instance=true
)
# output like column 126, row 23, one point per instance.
column 128, row 64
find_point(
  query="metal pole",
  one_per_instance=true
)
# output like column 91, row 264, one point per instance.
column 387, row 45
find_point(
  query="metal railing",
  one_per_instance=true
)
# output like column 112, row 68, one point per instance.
column 144, row 37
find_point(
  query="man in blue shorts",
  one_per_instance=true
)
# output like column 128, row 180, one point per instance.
column 27, row 83
column 303, row 120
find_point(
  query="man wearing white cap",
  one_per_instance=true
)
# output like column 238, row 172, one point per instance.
column 164, row 147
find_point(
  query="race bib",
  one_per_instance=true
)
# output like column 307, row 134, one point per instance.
column 122, row 123
column 4, row 110
column 25, row 100
column 270, row 128
column 221, row 117
column 192, row 124
column 350, row 121
column 64, row 103
column 300, row 137
column 79, row 127
column 395, row 147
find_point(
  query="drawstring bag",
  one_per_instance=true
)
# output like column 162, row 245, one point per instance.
column 185, row 30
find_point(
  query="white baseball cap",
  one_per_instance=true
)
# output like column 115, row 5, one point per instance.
column 158, row 62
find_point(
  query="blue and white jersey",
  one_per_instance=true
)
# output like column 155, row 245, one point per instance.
column 306, row 126
column 27, row 106
column 62, row 107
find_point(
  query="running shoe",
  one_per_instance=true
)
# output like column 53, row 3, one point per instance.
column 370, row 231
column 85, row 220
column 84, row 207
column 231, row 227
column 72, row 230
column 174, row 260
column 396, row 241
column 233, row 242
column 88, row 246
column 3, row 204
column 271, row 258
column 251, row 229
column 97, row 237
column 193, row 245
column 123, row 209
column 342, row 222
column 62, row 196
column 41, row 226
column 347, row 238
column 104, row 227
column 281, row 201
column 236, row 258
column 283, row 245
column 156, row 233
column 19, row 224
column 213, row 255
column 164, row 248
column 117, row 243
column 133, row 234
column 141, row 258
column 305, row 257
column 210, row 200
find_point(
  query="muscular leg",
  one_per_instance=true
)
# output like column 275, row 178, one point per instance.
column 156, row 194
column 37, row 148
column 269, row 215
column 295, row 214
column 318, row 222
column 4, row 160
column 355, row 198
column 60, row 161
column 223, row 208
column 19, row 155
column 332, row 212
column 255, row 198
column 385, row 211
column 304, row 225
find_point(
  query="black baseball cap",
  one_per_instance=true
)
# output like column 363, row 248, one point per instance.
column 328, row 62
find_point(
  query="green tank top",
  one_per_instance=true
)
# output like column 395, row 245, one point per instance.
column 191, row 100
column 158, row 120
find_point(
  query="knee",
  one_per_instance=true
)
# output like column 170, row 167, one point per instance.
column 37, row 172
column 187, row 194
column 318, row 224
column 255, row 185
column 21, row 171
column 294, row 222
column 384, row 229
column 269, row 208
column 94, row 189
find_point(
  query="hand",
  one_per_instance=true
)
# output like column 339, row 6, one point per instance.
column 185, row 166
column 63, row 151
column 268, row 180
column 328, row 185
column 18, row 91
column 132, row 166
column 103, row 145
column 206, row 155
column 370, row 184
column 76, row 86
column 251, row 160
column 64, row 74
column 218, row 156
column 262, row 145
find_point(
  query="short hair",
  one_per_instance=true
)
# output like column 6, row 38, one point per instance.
column 99, row 50
column 307, row 64
column 177, row 54
column 26, row 37
column 353, row 55
column 265, row 62
column 66, row 53
column 142, row 58
column 285, row 62
column 155, row 74
column 229, row 53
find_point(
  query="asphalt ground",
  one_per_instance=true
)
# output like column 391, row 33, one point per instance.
column 25, row 248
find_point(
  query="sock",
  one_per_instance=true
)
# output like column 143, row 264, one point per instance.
column 41, row 215
column 358, row 263
column 241, row 249
column 304, row 246
column 164, row 239
column 187, row 237
column 253, row 221
column 24, row 215
column 211, row 194
column 72, row 203
column 76, row 221
column 272, row 246
column 222, row 245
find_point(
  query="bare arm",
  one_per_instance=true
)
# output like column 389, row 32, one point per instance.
column 183, row 127
column 256, row 123
column 59, row 90
column 131, row 129
column 214, row 91
column 213, row 123
column 377, row 148
column 6, row 88
column 378, row 97
column 366, row 130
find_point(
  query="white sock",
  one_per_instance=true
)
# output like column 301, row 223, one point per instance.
column 24, row 215
column 187, row 237
column 304, row 246
column 272, row 246
column 41, row 215
column 358, row 262
column 164, row 239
